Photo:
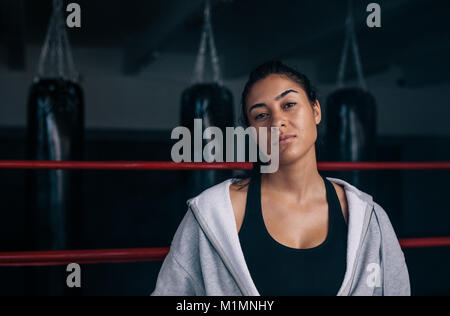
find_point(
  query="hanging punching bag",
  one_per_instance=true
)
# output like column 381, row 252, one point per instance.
column 351, row 128
column 55, row 132
column 211, row 102
column 351, row 116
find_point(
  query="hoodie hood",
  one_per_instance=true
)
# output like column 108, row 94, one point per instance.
column 214, row 213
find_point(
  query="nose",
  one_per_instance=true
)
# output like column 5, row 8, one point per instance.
column 278, row 120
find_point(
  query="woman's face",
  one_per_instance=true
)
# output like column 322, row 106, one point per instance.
column 278, row 101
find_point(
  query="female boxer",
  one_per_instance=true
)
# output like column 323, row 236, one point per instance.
column 292, row 232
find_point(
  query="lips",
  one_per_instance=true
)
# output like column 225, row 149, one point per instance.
column 286, row 138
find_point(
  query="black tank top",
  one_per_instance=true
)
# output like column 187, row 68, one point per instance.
column 278, row 270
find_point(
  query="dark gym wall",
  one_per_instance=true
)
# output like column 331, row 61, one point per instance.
column 132, row 101
column 150, row 99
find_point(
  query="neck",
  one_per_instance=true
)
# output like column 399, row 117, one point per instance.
column 299, row 180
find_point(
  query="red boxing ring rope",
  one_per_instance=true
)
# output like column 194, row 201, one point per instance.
column 160, row 165
column 425, row 242
column 55, row 258
column 121, row 165
column 52, row 258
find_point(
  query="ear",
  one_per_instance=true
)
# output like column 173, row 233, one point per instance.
column 317, row 111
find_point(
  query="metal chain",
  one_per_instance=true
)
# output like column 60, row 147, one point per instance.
column 56, row 57
column 45, row 49
column 199, row 69
column 212, row 45
column 59, row 30
column 350, row 38
column 207, row 34
column 57, row 5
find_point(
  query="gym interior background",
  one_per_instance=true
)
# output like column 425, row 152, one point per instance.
column 136, row 58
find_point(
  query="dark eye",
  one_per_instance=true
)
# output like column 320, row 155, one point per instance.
column 260, row 116
column 289, row 105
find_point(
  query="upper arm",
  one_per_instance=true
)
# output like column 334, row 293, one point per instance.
column 395, row 271
column 179, row 274
column 175, row 280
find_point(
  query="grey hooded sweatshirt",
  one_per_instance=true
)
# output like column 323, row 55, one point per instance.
column 206, row 259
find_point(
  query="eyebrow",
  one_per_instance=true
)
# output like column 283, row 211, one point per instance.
column 282, row 95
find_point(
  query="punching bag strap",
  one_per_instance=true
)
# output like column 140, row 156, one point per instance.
column 207, row 37
column 56, row 59
column 350, row 39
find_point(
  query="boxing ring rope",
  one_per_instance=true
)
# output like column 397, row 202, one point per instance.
column 65, row 257
column 122, row 165
column 424, row 242
column 55, row 258
column 161, row 165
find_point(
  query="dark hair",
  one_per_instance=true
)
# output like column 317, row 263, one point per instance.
column 273, row 67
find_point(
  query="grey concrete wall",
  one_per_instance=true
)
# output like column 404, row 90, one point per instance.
column 150, row 100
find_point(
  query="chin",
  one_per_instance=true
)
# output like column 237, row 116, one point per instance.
column 290, row 156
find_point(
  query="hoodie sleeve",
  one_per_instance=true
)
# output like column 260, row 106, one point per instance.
column 395, row 272
column 179, row 274
column 174, row 279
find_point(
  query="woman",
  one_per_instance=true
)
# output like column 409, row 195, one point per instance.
column 292, row 232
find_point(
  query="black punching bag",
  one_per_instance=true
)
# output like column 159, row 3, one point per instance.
column 351, row 115
column 213, row 104
column 351, row 129
column 55, row 133
column 209, row 101
column 55, row 205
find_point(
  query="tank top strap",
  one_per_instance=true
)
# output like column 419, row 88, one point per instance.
column 336, row 215
column 253, row 196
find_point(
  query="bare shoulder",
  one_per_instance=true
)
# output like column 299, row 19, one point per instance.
column 238, row 196
column 342, row 199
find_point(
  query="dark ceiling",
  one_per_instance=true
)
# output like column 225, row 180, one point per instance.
column 414, row 33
